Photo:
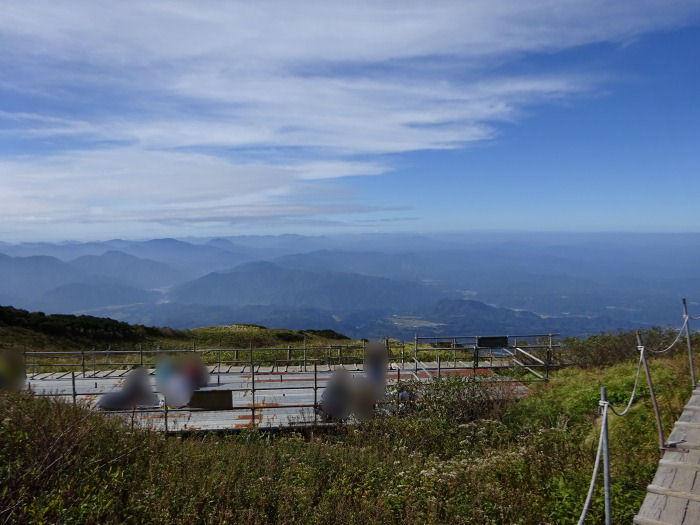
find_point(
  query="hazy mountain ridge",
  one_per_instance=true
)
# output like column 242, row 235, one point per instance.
column 130, row 270
column 364, row 285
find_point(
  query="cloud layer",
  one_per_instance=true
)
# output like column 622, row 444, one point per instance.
column 219, row 112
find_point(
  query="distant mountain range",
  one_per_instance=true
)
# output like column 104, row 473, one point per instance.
column 365, row 286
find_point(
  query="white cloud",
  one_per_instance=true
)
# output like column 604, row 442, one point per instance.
column 265, row 95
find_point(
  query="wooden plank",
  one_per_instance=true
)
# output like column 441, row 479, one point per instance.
column 679, row 464
column 663, row 491
column 689, row 424
column 638, row 520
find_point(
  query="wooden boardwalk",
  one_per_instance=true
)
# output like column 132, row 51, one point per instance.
column 674, row 495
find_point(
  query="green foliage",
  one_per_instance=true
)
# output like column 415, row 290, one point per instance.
column 328, row 334
column 83, row 329
column 610, row 348
column 462, row 455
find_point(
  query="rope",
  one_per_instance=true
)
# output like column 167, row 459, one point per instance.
column 591, row 488
column 634, row 389
column 678, row 336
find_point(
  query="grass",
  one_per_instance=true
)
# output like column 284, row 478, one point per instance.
column 462, row 458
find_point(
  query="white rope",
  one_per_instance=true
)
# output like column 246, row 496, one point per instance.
column 591, row 488
column 678, row 336
column 634, row 389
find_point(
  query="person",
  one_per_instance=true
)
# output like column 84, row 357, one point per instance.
column 336, row 398
column 375, row 366
column 136, row 391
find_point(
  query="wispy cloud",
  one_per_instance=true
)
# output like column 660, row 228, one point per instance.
column 206, row 111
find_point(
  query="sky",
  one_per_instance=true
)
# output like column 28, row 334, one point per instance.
column 145, row 119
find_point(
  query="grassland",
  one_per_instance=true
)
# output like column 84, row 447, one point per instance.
column 456, row 460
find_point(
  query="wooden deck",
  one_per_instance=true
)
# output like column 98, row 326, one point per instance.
column 284, row 397
column 674, row 495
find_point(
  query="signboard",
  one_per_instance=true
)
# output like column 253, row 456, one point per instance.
column 500, row 341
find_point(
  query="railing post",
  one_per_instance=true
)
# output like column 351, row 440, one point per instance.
column 606, row 457
column 141, row 354
column 165, row 411
column 415, row 347
column 218, row 369
column 398, row 391
column 94, row 363
column 315, row 393
column 454, row 352
column 686, row 318
column 82, row 355
column 75, row 394
column 549, row 357
column 654, row 403
column 252, row 379
column 439, row 367
column 305, row 354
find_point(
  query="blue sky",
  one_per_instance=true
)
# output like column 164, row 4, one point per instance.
column 137, row 120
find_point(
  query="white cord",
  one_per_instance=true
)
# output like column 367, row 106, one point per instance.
column 591, row 488
column 634, row 389
column 678, row 336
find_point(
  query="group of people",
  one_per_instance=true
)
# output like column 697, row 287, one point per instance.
column 175, row 379
column 357, row 395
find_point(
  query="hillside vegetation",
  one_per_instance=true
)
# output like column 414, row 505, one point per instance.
column 457, row 460
column 20, row 329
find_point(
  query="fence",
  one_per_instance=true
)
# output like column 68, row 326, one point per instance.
column 603, row 452
column 521, row 359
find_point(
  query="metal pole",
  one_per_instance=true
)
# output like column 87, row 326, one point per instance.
column 606, row 458
column 305, row 355
column 454, row 352
column 165, row 410
column 687, row 339
column 439, row 368
column 218, row 369
column 252, row 379
column 655, row 404
column 141, row 353
column 549, row 357
column 398, row 391
column 82, row 355
column 75, row 395
column 315, row 392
